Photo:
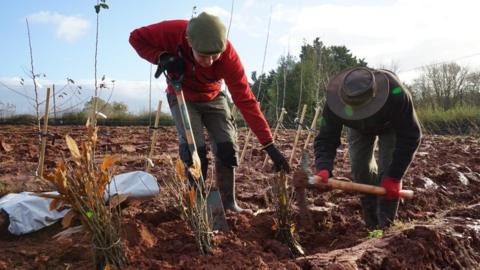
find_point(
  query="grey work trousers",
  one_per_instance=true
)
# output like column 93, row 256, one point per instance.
column 216, row 117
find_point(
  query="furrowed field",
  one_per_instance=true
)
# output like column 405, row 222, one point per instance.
column 438, row 229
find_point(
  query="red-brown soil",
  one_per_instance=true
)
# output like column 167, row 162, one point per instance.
column 438, row 229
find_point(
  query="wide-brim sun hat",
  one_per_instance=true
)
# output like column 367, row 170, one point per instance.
column 357, row 93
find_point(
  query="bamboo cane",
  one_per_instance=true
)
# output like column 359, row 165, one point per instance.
column 279, row 122
column 93, row 119
column 41, row 160
column 297, row 136
column 154, row 138
column 245, row 146
column 312, row 127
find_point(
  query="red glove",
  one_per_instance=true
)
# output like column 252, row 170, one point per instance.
column 392, row 186
column 323, row 174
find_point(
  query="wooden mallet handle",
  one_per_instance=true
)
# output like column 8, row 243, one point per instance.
column 350, row 186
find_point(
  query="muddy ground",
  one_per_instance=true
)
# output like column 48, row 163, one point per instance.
column 438, row 229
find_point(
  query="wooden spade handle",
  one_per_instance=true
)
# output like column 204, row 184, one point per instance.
column 350, row 186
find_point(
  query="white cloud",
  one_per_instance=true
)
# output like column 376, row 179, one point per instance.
column 69, row 28
column 410, row 32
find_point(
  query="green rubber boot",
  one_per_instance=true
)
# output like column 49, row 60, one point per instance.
column 225, row 177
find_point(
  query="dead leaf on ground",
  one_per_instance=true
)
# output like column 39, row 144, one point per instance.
column 117, row 199
column 129, row 148
column 67, row 219
column 6, row 147
column 65, row 234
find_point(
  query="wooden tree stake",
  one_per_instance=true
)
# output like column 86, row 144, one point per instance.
column 245, row 146
column 154, row 137
column 41, row 160
column 279, row 122
column 312, row 127
column 297, row 136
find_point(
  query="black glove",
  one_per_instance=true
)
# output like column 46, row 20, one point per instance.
column 171, row 63
column 279, row 161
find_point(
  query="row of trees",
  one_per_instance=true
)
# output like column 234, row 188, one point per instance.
column 295, row 82
column 446, row 86
column 303, row 80
column 7, row 109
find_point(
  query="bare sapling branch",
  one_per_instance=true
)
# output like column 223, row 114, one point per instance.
column 284, row 225
column 186, row 190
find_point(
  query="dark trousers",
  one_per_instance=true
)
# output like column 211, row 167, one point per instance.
column 377, row 211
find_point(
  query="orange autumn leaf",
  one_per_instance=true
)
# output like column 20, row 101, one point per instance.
column 191, row 196
column 180, row 170
column 54, row 204
column 108, row 162
column 67, row 219
column 92, row 134
column 61, row 166
column 196, row 168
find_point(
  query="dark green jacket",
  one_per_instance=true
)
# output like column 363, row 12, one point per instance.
column 398, row 113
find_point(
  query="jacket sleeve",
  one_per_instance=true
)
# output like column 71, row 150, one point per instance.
column 243, row 97
column 327, row 140
column 408, row 133
column 152, row 40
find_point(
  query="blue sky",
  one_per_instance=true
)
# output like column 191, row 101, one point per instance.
column 401, row 34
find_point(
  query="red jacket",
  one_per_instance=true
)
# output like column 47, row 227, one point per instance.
column 202, row 84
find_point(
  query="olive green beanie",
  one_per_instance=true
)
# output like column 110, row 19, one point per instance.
column 207, row 34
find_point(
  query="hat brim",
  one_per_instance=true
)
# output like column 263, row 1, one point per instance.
column 347, row 112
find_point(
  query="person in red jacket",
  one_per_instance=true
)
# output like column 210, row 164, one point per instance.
column 199, row 50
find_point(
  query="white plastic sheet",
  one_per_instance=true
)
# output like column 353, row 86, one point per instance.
column 136, row 184
column 28, row 213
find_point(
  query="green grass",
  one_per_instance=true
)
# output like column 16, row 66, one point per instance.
column 459, row 112
column 460, row 120
column 375, row 234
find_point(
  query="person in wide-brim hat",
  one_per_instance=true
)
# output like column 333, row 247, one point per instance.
column 375, row 107
column 357, row 93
